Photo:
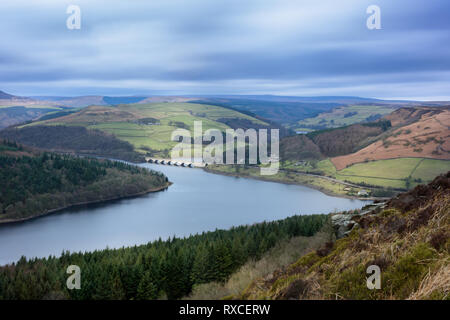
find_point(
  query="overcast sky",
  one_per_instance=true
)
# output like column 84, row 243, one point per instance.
column 298, row 47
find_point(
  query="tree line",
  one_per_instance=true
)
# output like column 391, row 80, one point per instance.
column 34, row 184
column 159, row 269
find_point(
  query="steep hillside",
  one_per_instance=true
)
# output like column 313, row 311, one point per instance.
column 299, row 147
column 418, row 132
column 407, row 238
column 341, row 141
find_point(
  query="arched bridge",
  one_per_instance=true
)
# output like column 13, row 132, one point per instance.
column 170, row 162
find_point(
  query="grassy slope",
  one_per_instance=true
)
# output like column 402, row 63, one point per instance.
column 315, row 182
column 391, row 173
column 408, row 240
column 397, row 158
column 285, row 252
column 402, row 173
column 121, row 121
column 426, row 137
column 344, row 116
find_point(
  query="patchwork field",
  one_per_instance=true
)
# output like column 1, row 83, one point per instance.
column 401, row 173
column 148, row 127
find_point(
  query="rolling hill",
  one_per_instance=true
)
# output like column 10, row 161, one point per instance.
column 4, row 95
column 346, row 115
column 148, row 127
column 403, row 149
column 427, row 137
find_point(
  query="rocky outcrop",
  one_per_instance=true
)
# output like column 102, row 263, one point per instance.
column 343, row 223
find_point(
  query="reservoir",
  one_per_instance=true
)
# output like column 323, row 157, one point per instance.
column 197, row 201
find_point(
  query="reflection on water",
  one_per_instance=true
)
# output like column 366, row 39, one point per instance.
column 197, row 201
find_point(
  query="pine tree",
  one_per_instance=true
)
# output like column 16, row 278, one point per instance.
column 147, row 290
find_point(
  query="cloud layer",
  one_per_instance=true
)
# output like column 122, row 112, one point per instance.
column 297, row 47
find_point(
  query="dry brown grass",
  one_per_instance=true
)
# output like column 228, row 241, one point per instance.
column 278, row 257
column 432, row 142
column 413, row 256
column 435, row 282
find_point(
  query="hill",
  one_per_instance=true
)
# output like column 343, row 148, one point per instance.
column 148, row 127
column 418, row 132
column 407, row 238
column 73, row 139
column 285, row 111
column 397, row 152
column 4, row 95
column 35, row 183
column 299, row 147
column 346, row 115
column 15, row 110
column 12, row 115
column 340, row 141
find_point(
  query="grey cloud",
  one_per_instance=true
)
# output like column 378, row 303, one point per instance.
column 173, row 46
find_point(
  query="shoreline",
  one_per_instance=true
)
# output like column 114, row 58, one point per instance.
column 52, row 211
column 325, row 191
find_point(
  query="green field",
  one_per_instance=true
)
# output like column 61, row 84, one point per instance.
column 428, row 169
column 344, row 116
column 123, row 122
column 398, row 173
column 395, row 173
column 316, row 182
column 387, row 169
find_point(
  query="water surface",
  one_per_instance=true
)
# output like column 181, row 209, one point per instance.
column 197, row 201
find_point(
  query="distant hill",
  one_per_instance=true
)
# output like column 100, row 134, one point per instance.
column 406, row 132
column 405, row 148
column 15, row 109
column 346, row 115
column 73, row 139
column 4, row 95
column 284, row 112
column 129, row 123
column 417, row 132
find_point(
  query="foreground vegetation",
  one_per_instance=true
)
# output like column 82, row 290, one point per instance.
column 157, row 270
column 408, row 240
column 37, row 183
column 283, row 253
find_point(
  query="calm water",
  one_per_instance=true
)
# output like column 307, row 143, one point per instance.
column 197, row 201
